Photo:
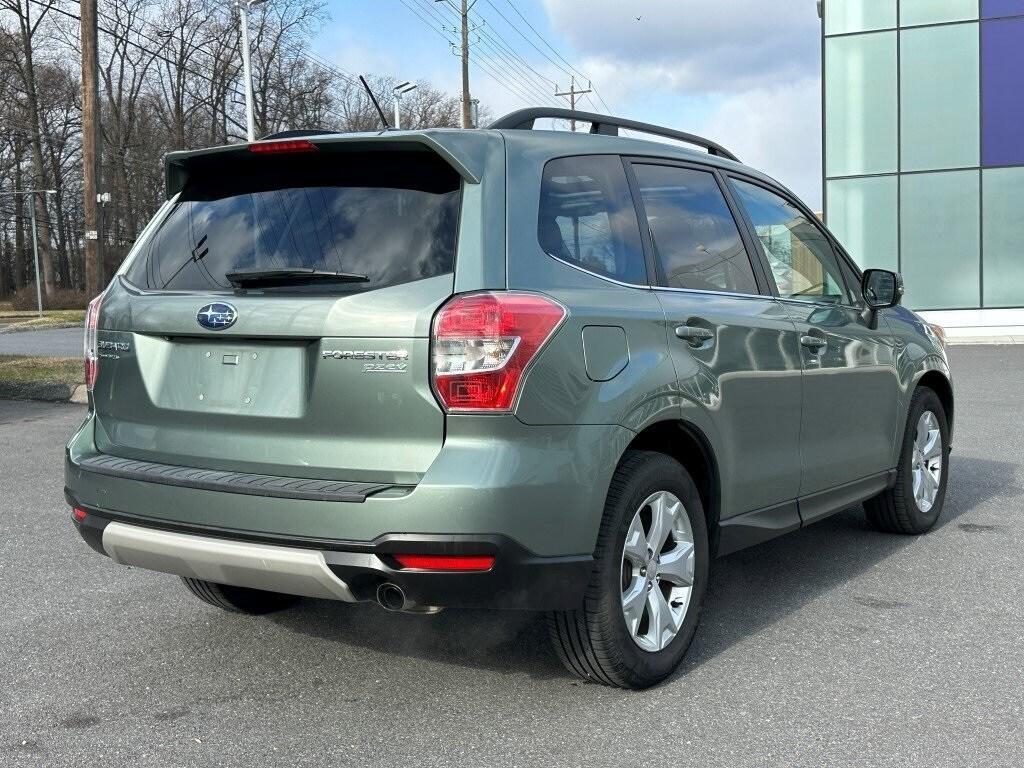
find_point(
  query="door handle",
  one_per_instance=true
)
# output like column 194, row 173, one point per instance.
column 694, row 334
column 813, row 343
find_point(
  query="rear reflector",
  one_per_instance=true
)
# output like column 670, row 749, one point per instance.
column 79, row 514
column 281, row 147
column 446, row 562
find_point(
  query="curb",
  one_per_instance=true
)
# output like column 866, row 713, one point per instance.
column 23, row 328
column 964, row 341
column 50, row 391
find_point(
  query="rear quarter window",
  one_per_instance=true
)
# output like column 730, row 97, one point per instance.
column 393, row 218
column 587, row 217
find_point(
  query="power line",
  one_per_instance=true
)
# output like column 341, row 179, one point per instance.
column 525, row 75
column 483, row 67
column 553, row 49
column 571, row 69
column 510, row 61
column 502, row 45
column 24, row 217
column 503, row 73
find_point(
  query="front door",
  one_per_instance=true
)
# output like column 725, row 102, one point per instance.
column 735, row 347
column 850, row 384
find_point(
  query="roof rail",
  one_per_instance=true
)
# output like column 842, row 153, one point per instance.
column 523, row 119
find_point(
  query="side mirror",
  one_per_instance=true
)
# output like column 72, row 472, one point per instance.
column 881, row 288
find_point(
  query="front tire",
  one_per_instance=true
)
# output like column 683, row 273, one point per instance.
column 651, row 564
column 254, row 602
column 913, row 505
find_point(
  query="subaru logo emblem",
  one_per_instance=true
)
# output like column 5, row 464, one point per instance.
column 217, row 316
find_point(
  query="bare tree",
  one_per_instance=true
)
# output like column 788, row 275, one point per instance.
column 170, row 77
column 27, row 27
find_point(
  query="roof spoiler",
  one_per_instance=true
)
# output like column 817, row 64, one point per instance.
column 451, row 147
column 607, row 125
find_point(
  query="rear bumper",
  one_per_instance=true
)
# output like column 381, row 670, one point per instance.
column 543, row 487
column 347, row 571
column 532, row 496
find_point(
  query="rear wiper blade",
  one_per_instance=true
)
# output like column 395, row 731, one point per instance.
column 270, row 278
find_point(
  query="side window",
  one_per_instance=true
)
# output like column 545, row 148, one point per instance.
column 695, row 236
column 587, row 217
column 801, row 259
column 852, row 280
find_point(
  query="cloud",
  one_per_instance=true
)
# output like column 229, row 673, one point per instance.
column 778, row 131
column 702, row 45
column 744, row 72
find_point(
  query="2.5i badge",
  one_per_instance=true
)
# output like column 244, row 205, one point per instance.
column 374, row 361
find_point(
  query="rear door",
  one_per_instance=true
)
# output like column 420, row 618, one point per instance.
column 292, row 376
column 735, row 348
column 850, row 385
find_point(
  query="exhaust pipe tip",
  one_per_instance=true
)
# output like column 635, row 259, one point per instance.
column 391, row 597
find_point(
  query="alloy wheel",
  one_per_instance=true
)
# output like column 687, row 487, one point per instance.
column 926, row 462
column 658, row 561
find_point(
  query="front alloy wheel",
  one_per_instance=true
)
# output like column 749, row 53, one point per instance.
column 927, row 461
column 914, row 502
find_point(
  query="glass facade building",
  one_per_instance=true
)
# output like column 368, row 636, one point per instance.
column 924, row 146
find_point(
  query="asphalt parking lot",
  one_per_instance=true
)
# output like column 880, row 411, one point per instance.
column 52, row 342
column 835, row 645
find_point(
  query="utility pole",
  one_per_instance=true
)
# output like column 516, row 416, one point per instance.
column 90, row 146
column 464, row 8
column 572, row 93
column 466, row 117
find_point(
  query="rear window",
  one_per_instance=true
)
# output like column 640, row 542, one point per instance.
column 390, row 216
column 587, row 217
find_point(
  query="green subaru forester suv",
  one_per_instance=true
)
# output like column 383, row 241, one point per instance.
column 511, row 368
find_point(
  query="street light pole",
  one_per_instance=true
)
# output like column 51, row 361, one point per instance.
column 35, row 238
column 250, row 122
column 35, row 254
column 400, row 90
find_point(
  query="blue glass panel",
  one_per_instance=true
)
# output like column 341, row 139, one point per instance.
column 991, row 9
column 1002, row 62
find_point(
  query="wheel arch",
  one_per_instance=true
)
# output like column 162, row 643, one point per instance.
column 941, row 386
column 687, row 444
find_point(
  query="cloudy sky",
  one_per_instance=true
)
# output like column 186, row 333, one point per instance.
column 734, row 71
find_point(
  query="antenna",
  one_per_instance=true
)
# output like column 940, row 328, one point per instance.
column 373, row 98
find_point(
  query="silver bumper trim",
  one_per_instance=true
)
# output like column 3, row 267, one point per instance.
column 223, row 561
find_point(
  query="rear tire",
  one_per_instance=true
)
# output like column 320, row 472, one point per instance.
column 633, row 629
column 254, row 602
column 913, row 505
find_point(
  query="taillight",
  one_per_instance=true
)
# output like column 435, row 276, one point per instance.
column 483, row 344
column 92, row 360
column 79, row 514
